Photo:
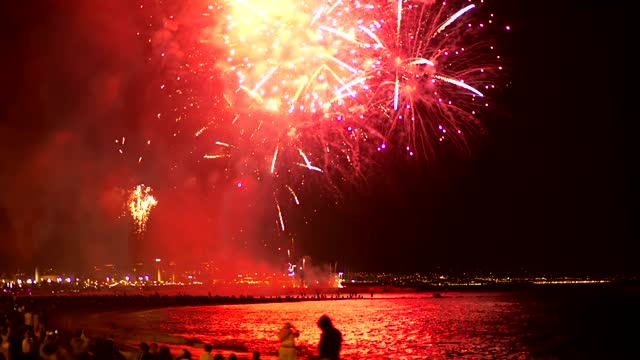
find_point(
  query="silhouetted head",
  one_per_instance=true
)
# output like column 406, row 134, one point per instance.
column 208, row 347
column 184, row 354
column 109, row 344
column 49, row 349
column 144, row 346
column 165, row 351
column 324, row 322
column 287, row 325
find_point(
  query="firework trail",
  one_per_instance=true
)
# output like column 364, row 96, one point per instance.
column 289, row 91
column 140, row 204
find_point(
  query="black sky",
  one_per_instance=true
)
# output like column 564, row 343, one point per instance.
column 549, row 187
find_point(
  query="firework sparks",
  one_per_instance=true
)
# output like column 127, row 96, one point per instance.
column 295, row 66
column 121, row 148
column 314, row 88
column 327, row 81
column 140, row 204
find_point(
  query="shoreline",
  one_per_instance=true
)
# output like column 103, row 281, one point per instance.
column 96, row 312
column 70, row 312
column 92, row 303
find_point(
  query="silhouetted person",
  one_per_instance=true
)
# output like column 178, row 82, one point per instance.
column 330, row 340
column 184, row 355
column 144, row 353
column 153, row 349
column 105, row 349
column 164, row 353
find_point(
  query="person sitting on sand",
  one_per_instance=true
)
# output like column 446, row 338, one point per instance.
column 108, row 350
column 79, row 345
column 144, row 353
column 164, row 353
column 29, row 346
column 153, row 349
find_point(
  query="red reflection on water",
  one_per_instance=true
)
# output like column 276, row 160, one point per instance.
column 407, row 326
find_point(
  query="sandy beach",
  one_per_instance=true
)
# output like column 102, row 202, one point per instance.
column 100, row 315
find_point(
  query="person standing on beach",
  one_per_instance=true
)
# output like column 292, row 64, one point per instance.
column 330, row 340
column 287, row 335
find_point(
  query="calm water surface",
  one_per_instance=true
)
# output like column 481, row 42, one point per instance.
column 392, row 326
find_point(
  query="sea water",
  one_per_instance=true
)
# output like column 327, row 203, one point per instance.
column 568, row 323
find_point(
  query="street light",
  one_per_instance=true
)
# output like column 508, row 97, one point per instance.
column 158, row 263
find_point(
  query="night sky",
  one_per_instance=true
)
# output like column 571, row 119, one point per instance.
column 547, row 187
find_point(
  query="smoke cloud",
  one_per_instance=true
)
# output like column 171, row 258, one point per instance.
column 82, row 126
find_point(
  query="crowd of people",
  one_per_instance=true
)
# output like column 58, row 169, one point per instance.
column 207, row 355
column 25, row 334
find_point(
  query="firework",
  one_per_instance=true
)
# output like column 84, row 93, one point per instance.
column 287, row 91
column 328, row 81
column 433, row 76
column 140, row 204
